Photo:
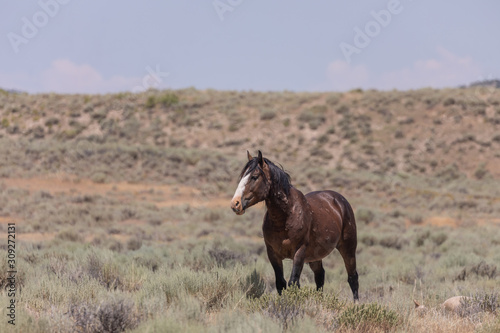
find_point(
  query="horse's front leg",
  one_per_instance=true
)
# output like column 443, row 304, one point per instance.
column 277, row 264
column 298, row 264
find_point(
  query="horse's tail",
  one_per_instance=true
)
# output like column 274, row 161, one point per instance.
column 349, row 213
column 348, row 219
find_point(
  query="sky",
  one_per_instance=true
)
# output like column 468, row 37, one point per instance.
column 77, row 46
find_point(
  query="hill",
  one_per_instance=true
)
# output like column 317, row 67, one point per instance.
column 423, row 132
column 424, row 141
column 121, row 208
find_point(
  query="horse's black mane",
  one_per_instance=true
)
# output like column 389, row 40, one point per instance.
column 280, row 179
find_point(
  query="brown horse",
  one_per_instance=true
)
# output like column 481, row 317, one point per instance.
column 305, row 228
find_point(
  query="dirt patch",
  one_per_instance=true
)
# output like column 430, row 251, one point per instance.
column 35, row 236
column 6, row 220
column 159, row 195
column 488, row 221
column 445, row 221
column 441, row 221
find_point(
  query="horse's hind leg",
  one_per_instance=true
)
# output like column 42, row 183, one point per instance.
column 319, row 273
column 348, row 252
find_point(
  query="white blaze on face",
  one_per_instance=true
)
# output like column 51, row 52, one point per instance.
column 241, row 187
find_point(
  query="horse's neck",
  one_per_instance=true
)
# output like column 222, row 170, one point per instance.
column 279, row 205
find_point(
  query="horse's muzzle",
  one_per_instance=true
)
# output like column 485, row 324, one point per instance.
column 239, row 212
column 237, row 207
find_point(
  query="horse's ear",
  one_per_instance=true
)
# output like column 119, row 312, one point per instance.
column 416, row 304
column 249, row 156
column 260, row 159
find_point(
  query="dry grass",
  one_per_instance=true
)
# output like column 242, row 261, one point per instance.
column 121, row 207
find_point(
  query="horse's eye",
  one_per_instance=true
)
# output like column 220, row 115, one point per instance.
column 255, row 177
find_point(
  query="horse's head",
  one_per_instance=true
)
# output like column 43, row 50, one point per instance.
column 254, row 184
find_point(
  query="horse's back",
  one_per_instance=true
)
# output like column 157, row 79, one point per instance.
column 332, row 206
column 332, row 199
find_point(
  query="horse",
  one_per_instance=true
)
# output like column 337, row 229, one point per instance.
column 304, row 228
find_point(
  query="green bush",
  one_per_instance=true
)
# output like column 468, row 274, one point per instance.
column 70, row 235
column 449, row 101
column 480, row 302
column 51, row 121
column 481, row 171
column 99, row 177
column 314, row 116
column 343, row 109
column 115, row 315
column 254, row 285
column 294, row 304
column 5, row 123
column 267, row 114
column 168, row 99
column 151, row 102
column 366, row 317
column 364, row 215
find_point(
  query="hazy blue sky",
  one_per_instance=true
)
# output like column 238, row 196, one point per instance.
column 94, row 46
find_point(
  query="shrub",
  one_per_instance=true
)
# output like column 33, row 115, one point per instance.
column 5, row 123
column 314, row 116
column 449, row 101
column 481, row 171
column 406, row 121
column 415, row 219
column 323, row 153
column 107, row 274
column 168, row 99
column 98, row 177
column 286, row 309
column 330, row 130
column 323, row 139
column 115, row 315
column 38, row 132
column 134, row 244
column 51, row 121
column 451, row 172
column 267, row 114
column 333, row 99
column 74, row 113
column 368, row 240
column 214, row 288
column 399, row 134
column 343, row 109
column 366, row 317
column 99, row 115
column 485, row 270
column 212, row 216
column 421, row 237
column 392, row 241
column 150, row 102
column 70, row 235
column 439, row 238
column 364, row 215
column 254, row 285
column 223, row 256
column 294, row 303
column 479, row 303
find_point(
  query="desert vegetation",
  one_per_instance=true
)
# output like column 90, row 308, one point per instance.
column 121, row 206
